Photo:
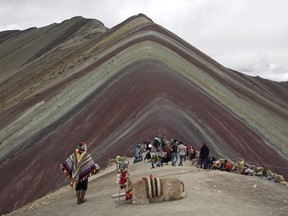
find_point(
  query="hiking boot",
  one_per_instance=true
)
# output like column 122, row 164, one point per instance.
column 78, row 197
column 82, row 196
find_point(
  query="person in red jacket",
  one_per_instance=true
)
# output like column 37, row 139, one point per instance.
column 194, row 153
column 188, row 151
column 227, row 166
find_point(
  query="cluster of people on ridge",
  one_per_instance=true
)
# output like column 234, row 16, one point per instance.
column 163, row 150
column 79, row 166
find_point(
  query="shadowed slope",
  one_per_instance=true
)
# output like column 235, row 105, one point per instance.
column 133, row 82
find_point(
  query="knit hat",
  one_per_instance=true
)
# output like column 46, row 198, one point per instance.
column 82, row 146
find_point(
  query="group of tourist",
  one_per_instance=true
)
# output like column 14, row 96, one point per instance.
column 162, row 150
column 80, row 165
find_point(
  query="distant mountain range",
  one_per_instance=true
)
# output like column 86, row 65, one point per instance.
column 80, row 81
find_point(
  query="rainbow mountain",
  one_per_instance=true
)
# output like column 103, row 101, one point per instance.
column 80, row 81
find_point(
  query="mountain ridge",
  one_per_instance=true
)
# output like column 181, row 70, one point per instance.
column 121, row 85
column 225, row 194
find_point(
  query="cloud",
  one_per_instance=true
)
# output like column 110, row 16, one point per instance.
column 239, row 34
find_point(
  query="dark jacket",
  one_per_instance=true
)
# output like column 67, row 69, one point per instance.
column 174, row 148
column 204, row 151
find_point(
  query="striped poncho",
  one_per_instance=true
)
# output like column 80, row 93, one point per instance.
column 78, row 166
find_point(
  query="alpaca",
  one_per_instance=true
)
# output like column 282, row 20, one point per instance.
column 169, row 189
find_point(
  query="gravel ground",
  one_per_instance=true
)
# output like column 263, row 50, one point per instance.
column 208, row 193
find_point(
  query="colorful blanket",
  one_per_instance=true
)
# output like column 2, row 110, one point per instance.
column 78, row 167
column 153, row 187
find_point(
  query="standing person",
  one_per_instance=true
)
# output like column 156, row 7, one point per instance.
column 181, row 152
column 174, row 153
column 204, row 156
column 154, row 156
column 167, row 153
column 148, row 153
column 157, row 142
column 188, row 151
column 78, row 167
column 138, row 155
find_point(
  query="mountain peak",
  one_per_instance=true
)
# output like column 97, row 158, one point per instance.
column 79, row 81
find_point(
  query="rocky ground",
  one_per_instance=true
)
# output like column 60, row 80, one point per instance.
column 208, row 193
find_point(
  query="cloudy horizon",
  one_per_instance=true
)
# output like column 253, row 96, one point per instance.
column 249, row 36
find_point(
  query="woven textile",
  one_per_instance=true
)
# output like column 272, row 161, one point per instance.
column 153, row 187
column 78, row 166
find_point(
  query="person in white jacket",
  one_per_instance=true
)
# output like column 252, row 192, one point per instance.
column 181, row 152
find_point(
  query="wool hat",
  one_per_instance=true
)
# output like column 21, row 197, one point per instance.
column 82, row 146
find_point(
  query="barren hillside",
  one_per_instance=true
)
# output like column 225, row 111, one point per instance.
column 79, row 81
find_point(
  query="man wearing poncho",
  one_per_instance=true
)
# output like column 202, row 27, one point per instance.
column 78, row 167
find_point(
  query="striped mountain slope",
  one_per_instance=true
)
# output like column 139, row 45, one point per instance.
column 79, row 81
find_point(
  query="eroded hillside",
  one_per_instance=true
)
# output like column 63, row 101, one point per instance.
column 77, row 80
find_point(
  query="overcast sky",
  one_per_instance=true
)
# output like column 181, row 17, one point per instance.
column 250, row 36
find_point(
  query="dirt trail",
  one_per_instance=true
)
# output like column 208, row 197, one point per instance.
column 208, row 193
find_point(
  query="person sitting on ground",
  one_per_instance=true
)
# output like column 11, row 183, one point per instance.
column 227, row 166
column 266, row 175
column 211, row 162
column 193, row 153
column 216, row 165
column 156, row 157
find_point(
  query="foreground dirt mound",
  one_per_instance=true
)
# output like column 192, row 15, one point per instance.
column 208, row 193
